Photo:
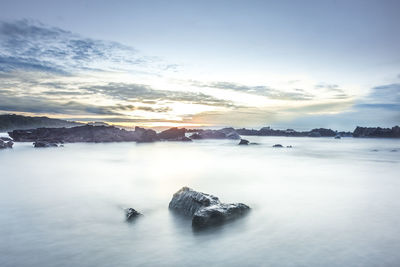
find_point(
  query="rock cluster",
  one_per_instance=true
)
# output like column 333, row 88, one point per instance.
column 393, row 132
column 225, row 133
column 205, row 210
column 96, row 134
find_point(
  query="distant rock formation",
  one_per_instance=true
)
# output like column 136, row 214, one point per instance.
column 225, row 133
column 98, row 134
column 206, row 210
column 9, row 122
column 393, row 132
column 277, row 145
column 268, row 131
column 174, row 134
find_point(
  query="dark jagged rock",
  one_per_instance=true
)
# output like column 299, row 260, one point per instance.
column 338, row 137
column 244, row 142
column 206, row 210
column 277, row 145
column 4, row 144
column 44, row 144
column 289, row 146
column 268, row 131
column 85, row 133
column 173, row 134
column 218, row 214
column 393, row 132
column 6, row 139
column 324, row 132
column 143, row 135
column 131, row 214
column 226, row 133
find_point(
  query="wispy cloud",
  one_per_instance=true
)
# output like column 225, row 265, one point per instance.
column 48, row 70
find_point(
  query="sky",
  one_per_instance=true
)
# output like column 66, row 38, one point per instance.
column 286, row 64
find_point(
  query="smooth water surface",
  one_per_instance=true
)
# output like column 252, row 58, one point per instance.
column 324, row 202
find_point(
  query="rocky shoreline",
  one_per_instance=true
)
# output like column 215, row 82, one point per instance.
column 50, row 137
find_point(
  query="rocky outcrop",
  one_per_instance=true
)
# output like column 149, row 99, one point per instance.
column 131, row 214
column 277, row 145
column 143, row 135
column 268, row 131
column 174, row 134
column 244, row 142
column 393, row 132
column 44, row 144
column 226, row 133
column 205, row 210
column 5, row 139
column 96, row 134
column 6, row 144
column 85, row 133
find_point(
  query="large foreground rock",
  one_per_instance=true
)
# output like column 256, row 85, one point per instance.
column 205, row 210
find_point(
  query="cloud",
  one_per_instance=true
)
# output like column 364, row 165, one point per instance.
column 30, row 45
column 262, row 90
column 145, row 93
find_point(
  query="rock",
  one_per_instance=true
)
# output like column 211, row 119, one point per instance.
column 44, row 144
column 218, row 214
column 226, row 133
column 173, row 134
column 85, row 133
column 243, row 142
column 323, row 132
column 4, row 144
column 289, row 146
column 205, row 210
column 277, row 145
column 393, row 150
column 314, row 134
column 6, row 139
column 393, row 132
column 338, row 137
column 230, row 133
column 131, row 214
column 145, row 135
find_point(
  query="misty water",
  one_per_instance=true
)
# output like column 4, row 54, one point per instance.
column 324, row 202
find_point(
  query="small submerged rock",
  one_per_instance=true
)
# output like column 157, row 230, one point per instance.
column 131, row 214
column 244, row 142
column 289, row 146
column 277, row 145
column 205, row 210
column 6, row 144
